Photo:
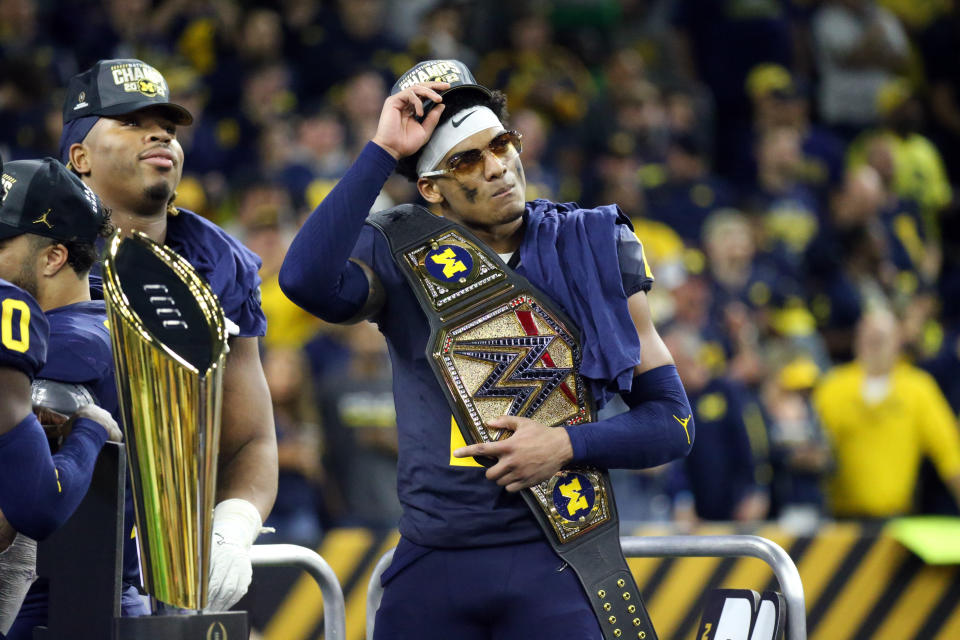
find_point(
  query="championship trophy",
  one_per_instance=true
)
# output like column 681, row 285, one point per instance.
column 169, row 347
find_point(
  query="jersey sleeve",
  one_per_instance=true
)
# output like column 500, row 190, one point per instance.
column 634, row 268
column 24, row 331
column 240, row 294
column 79, row 345
column 230, row 268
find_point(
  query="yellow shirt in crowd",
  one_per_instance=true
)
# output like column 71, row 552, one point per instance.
column 879, row 447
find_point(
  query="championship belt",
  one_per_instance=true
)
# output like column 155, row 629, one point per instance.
column 169, row 344
column 500, row 346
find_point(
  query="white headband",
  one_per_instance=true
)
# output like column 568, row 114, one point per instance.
column 454, row 131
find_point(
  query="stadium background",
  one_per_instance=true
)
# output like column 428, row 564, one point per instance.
column 789, row 165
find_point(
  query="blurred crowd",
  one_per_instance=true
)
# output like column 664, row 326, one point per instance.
column 791, row 167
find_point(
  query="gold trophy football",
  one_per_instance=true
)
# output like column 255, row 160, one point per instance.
column 169, row 347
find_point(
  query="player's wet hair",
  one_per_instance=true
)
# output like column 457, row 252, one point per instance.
column 80, row 254
column 455, row 102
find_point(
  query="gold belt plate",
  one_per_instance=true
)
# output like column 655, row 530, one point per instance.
column 517, row 358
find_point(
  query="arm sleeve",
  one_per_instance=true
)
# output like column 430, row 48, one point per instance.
column 38, row 492
column 657, row 428
column 317, row 274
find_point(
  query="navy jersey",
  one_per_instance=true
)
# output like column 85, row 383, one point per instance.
column 80, row 353
column 229, row 267
column 23, row 331
column 447, row 502
column 231, row 270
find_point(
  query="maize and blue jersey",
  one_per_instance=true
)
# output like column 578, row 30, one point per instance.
column 81, row 353
column 447, row 502
column 23, row 331
column 229, row 268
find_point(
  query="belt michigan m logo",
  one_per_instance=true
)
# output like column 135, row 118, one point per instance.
column 451, row 264
column 572, row 491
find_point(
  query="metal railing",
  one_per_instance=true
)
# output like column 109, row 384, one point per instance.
column 732, row 547
column 677, row 546
column 291, row 555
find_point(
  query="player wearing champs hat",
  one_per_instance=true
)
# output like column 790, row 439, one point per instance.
column 120, row 137
column 469, row 540
column 48, row 223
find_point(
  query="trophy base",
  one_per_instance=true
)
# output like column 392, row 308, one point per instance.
column 229, row 625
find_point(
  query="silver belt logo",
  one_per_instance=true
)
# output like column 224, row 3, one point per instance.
column 528, row 376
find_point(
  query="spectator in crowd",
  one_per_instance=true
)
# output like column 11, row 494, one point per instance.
column 798, row 449
column 937, row 44
column 780, row 101
column 703, row 32
column 296, row 513
column 740, row 288
column 912, row 243
column 360, row 432
column 440, row 32
column 690, row 192
column 538, row 72
column 358, row 101
column 848, row 264
column 882, row 417
column 354, row 37
column 787, row 210
column 918, row 171
column 726, row 475
column 267, row 231
column 859, row 46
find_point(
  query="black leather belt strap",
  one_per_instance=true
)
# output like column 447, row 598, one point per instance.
column 599, row 563
column 460, row 285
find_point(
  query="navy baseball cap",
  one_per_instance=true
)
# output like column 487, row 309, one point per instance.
column 452, row 71
column 116, row 87
column 43, row 197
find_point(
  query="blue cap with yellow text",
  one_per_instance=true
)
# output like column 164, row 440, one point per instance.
column 114, row 88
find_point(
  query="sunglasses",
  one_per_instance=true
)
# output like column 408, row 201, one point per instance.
column 467, row 162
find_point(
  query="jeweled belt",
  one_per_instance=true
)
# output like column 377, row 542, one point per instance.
column 500, row 347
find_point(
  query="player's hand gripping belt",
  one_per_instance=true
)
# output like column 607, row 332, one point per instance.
column 236, row 524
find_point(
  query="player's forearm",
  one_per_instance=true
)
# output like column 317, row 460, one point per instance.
column 248, row 443
column 658, row 427
column 251, row 474
column 38, row 492
column 316, row 273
